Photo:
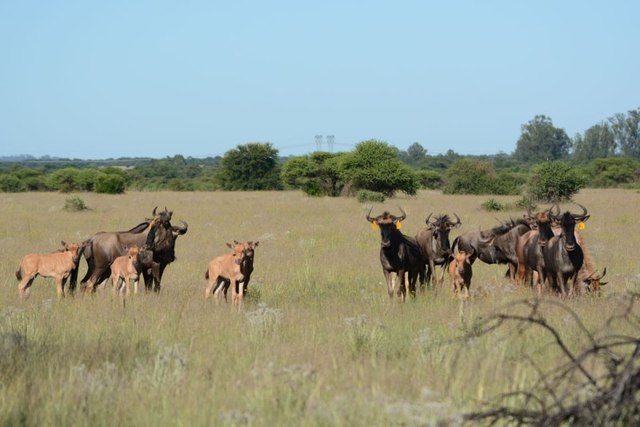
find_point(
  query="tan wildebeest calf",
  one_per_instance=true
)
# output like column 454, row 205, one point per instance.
column 460, row 273
column 126, row 268
column 226, row 268
column 55, row 264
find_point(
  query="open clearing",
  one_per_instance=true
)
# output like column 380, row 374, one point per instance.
column 317, row 342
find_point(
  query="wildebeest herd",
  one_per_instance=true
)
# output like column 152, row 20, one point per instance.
column 543, row 250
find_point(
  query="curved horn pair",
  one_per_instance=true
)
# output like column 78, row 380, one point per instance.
column 583, row 216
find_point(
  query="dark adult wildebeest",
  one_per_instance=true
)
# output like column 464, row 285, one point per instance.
column 494, row 246
column 563, row 257
column 434, row 243
column 530, row 247
column 58, row 265
column 157, row 234
column 400, row 255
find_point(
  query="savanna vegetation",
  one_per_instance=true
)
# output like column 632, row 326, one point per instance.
column 607, row 155
column 317, row 341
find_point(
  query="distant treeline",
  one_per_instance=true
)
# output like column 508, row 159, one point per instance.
column 607, row 155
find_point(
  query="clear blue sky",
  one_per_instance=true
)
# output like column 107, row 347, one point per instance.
column 98, row 79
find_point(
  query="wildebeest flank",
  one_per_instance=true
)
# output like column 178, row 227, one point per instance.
column 157, row 234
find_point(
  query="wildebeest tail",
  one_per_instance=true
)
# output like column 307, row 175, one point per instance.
column 454, row 244
column 19, row 273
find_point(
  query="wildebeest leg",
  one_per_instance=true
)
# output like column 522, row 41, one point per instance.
column 402, row 290
column 389, row 280
column 24, row 285
column 60, row 287
column 561, row 283
column 158, row 278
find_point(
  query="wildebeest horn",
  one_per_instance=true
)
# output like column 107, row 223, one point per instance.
column 427, row 220
column 581, row 217
column 458, row 222
column 403, row 217
column 529, row 213
column 180, row 230
column 369, row 218
column 154, row 211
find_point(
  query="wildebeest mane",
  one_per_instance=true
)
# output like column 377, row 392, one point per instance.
column 499, row 230
column 139, row 228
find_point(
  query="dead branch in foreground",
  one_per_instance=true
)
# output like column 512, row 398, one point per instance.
column 598, row 385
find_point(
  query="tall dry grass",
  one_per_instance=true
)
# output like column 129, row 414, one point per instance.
column 317, row 341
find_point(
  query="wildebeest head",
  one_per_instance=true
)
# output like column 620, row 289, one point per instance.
column 593, row 282
column 238, row 251
column 162, row 233
column 542, row 221
column 461, row 259
column 568, row 222
column 73, row 249
column 388, row 224
column 249, row 248
column 441, row 226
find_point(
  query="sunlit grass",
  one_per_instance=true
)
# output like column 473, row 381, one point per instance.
column 317, row 341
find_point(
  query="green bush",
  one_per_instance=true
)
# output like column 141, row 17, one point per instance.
column 11, row 184
column 74, row 204
column 110, row 184
column 492, row 205
column 370, row 196
column 430, row 179
column 554, row 182
column 467, row 176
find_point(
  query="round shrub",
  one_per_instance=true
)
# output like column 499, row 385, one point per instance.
column 555, row 182
column 110, row 184
column 370, row 196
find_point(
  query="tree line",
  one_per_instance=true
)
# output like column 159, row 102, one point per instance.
column 607, row 155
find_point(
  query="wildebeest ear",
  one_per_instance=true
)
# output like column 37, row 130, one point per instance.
column 256, row 243
column 230, row 245
column 63, row 243
column 236, row 242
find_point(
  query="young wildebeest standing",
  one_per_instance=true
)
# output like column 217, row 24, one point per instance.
column 400, row 255
column 460, row 273
column 434, row 243
column 246, row 268
column 226, row 269
column 530, row 247
column 129, row 267
column 55, row 264
column 563, row 257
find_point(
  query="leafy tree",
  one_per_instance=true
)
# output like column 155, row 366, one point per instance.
column 317, row 174
column 626, row 131
column 110, row 183
column 598, row 142
column 376, row 166
column 468, row 176
column 541, row 141
column 251, row 166
column 10, row 183
column 613, row 171
column 554, row 182
column 415, row 154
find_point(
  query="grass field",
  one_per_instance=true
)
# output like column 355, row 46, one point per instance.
column 317, row 342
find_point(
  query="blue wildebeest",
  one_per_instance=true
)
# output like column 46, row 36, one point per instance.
column 435, row 246
column 400, row 255
column 58, row 265
column 157, row 234
column 494, row 246
column 563, row 256
column 530, row 247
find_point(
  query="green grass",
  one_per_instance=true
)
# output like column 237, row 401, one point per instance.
column 317, row 342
